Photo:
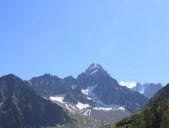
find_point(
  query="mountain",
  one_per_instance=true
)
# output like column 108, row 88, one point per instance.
column 48, row 85
column 147, row 89
column 107, row 90
column 21, row 107
column 154, row 115
column 94, row 93
column 128, row 84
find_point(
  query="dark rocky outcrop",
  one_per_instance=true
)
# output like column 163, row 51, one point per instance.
column 21, row 107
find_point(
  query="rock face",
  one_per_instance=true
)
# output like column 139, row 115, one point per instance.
column 154, row 115
column 47, row 85
column 147, row 89
column 108, row 90
column 164, row 91
column 21, row 107
column 94, row 87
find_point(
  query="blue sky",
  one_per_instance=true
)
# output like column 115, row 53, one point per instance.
column 129, row 38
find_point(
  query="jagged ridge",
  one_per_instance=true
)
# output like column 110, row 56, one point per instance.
column 21, row 107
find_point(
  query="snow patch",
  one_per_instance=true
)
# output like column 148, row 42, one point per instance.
column 1, row 103
column 89, row 90
column 67, row 107
column 82, row 106
column 88, row 112
column 93, row 72
column 121, row 108
column 102, row 108
column 128, row 84
column 60, row 125
column 74, row 86
column 58, row 98
column 100, row 105
column 93, row 67
column 142, row 91
column 85, row 91
column 110, row 108
column 89, row 98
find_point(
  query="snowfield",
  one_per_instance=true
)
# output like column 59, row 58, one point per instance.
column 81, row 106
column 58, row 98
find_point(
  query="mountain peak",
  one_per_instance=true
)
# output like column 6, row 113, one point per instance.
column 69, row 78
column 95, row 65
column 10, row 77
column 93, row 68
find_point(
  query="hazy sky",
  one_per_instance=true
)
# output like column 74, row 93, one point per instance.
column 129, row 38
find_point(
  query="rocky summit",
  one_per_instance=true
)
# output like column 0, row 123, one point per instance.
column 147, row 89
column 21, row 107
column 94, row 91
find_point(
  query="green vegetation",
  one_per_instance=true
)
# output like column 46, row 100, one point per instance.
column 154, row 115
column 111, row 126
